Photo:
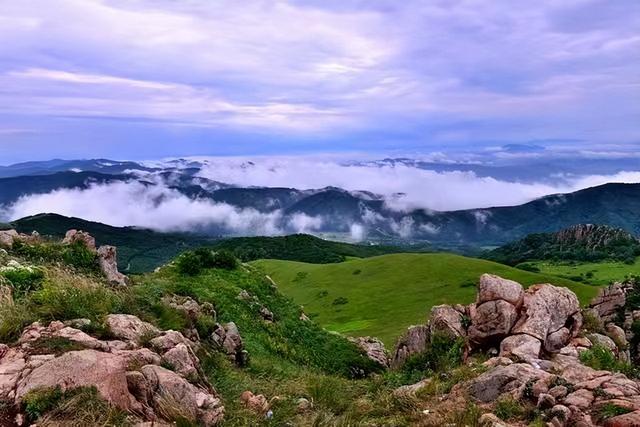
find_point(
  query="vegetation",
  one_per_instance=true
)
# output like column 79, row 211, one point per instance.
column 593, row 273
column 392, row 291
column 587, row 243
column 192, row 263
column 600, row 357
column 299, row 247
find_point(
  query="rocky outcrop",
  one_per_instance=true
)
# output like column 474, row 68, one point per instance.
column 414, row 341
column 609, row 301
column 124, row 373
column 7, row 237
column 79, row 236
column 228, row 339
column 373, row 349
column 108, row 263
column 446, row 320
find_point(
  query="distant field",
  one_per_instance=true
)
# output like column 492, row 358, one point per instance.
column 382, row 296
column 601, row 273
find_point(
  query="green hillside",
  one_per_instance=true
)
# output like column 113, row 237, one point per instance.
column 300, row 247
column 599, row 273
column 139, row 250
column 381, row 296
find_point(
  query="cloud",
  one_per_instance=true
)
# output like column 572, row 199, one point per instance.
column 157, row 207
column 285, row 74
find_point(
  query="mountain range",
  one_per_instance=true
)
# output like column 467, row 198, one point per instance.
column 335, row 211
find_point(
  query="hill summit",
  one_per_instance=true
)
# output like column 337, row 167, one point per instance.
column 582, row 242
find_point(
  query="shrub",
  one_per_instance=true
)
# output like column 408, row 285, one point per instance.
column 442, row 355
column 54, row 345
column 600, row 357
column 78, row 255
column 610, row 410
column 24, row 279
column 41, row 400
column 224, row 259
column 508, row 408
column 340, row 301
column 189, row 264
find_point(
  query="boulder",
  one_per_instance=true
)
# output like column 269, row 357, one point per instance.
column 411, row 389
column 580, row 399
column 255, row 402
column 502, row 379
column 228, row 338
column 105, row 371
column 491, row 420
column 522, row 347
column 189, row 306
column 491, row 321
column 130, row 328
column 546, row 309
column 108, row 263
column 604, row 341
column 557, row 340
column 373, row 349
column 493, row 288
column 446, row 320
column 7, row 237
column 414, row 341
column 609, row 301
column 73, row 236
column 170, row 393
column 182, row 359
column 617, row 334
column 632, row 419
column 266, row 314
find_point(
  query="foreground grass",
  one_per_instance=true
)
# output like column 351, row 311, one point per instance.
column 381, row 296
column 599, row 273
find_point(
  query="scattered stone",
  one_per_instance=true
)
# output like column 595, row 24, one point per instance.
column 73, row 236
column 561, row 412
column 303, row 405
column 492, row 288
column 545, row 401
column 109, row 266
column 130, row 328
column 304, row 317
column 228, row 338
column 266, row 314
column 373, row 349
column 491, row 420
column 446, row 320
column 558, row 392
column 414, row 341
column 411, row 389
column 580, row 398
column 257, row 403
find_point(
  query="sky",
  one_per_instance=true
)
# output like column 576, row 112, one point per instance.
column 141, row 79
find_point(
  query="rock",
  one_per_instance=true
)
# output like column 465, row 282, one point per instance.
column 490, row 420
column 105, row 371
column 490, row 385
column 446, row 320
column 304, row 317
column 522, row 346
column 228, row 338
column 604, row 341
column 7, row 237
column 303, row 405
column 109, row 266
column 183, row 360
column 545, row 401
column 557, row 340
column 373, row 348
column 4, row 257
column 493, row 288
column 632, row 419
column 257, row 403
column 168, row 340
column 617, row 334
column 189, row 306
column 609, row 301
column 266, row 314
column 78, row 323
column 73, row 236
column 491, row 320
column 558, row 392
column 411, row 389
column 245, row 296
column 546, row 309
column 130, row 328
column 580, row 398
column 169, row 388
column 561, row 412
column 414, row 341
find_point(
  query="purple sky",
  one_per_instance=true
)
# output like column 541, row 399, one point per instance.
column 144, row 79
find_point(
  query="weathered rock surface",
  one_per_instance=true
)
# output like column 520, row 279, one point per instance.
column 108, row 263
column 491, row 321
column 373, row 349
column 228, row 338
column 414, row 341
column 492, row 288
column 7, row 237
column 609, row 300
column 522, row 347
column 446, row 320
column 123, row 373
column 73, row 236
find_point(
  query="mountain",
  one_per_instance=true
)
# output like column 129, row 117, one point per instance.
column 582, row 242
column 48, row 167
column 139, row 250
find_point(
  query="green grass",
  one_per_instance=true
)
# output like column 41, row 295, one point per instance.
column 599, row 273
column 393, row 291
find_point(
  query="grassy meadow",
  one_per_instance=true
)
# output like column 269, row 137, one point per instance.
column 381, row 296
column 598, row 273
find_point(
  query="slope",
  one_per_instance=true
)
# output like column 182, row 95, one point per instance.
column 381, row 296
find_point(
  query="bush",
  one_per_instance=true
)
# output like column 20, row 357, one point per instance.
column 610, row 410
column 340, row 301
column 225, row 259
column 192, row 263
column 24, row 279
column 442, row 355
column 189, row 264
column 78, row 255
column 601, row 358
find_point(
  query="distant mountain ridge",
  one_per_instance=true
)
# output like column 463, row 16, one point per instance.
column 582, row 242
column 339, row 212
